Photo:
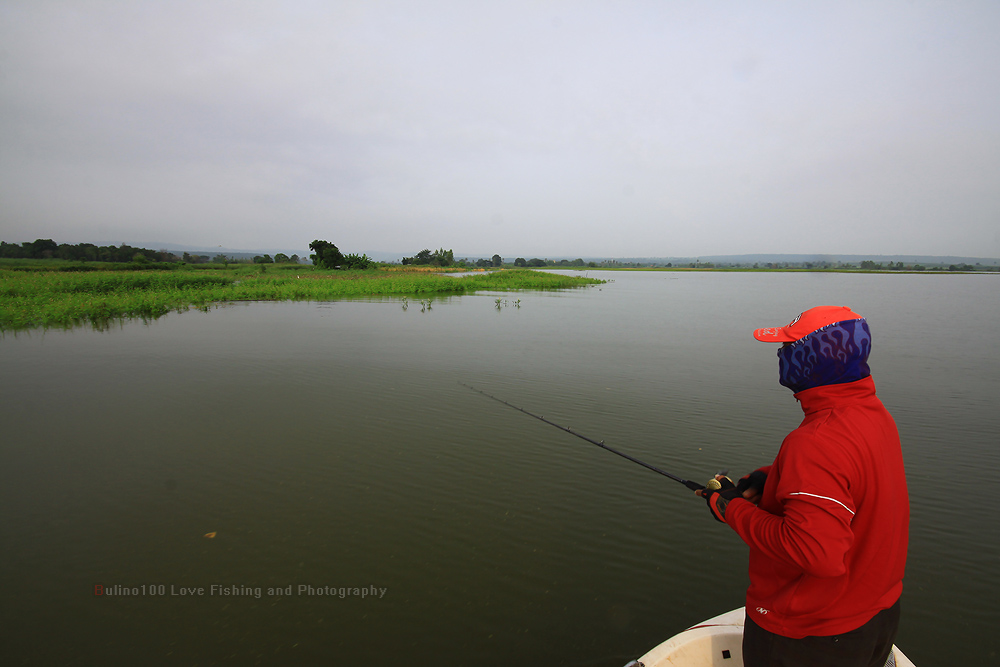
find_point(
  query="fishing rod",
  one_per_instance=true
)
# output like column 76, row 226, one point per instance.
column 694, row 486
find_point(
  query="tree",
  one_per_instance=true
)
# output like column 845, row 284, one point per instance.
column 40, row 248
column 439, row 257
column 325, row 254
column 359, row 262
column 520, row 261
column 442, row 257
column 497, row 260
column 281, row 258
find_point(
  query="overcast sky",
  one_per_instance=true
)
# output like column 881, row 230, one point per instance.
column 625, row 128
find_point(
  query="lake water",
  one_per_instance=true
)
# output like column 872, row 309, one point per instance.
column 333, row 446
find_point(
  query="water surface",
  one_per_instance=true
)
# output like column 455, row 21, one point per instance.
column 332, row 445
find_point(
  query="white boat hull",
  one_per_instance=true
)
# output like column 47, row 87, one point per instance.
column 717, row 642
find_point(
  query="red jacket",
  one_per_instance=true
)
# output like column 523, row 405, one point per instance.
column 828, row 540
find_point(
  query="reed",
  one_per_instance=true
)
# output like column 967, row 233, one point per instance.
column 60, row 299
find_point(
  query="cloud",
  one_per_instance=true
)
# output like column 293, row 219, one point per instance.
column 638, row 128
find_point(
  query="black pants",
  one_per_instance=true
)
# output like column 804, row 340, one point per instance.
column 868, row 646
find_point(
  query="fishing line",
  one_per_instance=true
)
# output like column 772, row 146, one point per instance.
column 694, row 486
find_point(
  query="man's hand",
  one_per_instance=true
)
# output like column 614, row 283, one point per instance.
column 751, row 487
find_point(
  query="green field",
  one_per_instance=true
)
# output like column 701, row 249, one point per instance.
column 63, row 298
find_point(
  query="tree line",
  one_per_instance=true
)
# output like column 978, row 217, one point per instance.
column 90, row 252
column 83, row 252
column 280, row 258
column 442, row 257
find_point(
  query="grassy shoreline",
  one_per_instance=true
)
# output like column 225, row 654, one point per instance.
column 65, row 299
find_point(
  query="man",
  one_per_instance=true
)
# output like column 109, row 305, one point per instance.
column 827, row 523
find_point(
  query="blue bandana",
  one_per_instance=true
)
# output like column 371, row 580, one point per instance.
column 834, row 354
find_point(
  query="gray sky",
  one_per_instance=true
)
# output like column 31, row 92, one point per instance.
column 626, row 128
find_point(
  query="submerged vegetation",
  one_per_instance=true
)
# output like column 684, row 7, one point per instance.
column 66, row 298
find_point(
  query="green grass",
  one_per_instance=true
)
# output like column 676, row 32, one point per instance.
column 61, row 299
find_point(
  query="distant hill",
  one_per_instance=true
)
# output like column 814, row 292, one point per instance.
column 846, row 259
column 763, row 258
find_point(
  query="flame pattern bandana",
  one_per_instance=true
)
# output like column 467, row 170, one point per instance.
column 834, row 354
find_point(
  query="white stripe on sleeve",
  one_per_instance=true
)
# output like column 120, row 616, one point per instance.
column 813, row 495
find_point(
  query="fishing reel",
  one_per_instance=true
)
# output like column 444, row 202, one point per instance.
column 724, row 484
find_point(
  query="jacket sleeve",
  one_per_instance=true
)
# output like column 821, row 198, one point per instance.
column 808, row 536
column 804, row 518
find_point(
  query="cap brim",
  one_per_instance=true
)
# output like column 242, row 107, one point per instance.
column 773, row 335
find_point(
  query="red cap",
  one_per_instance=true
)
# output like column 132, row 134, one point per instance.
column 806, row 323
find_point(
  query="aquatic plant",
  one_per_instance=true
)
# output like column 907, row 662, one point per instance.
column 66, row 299
column 503, row 303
